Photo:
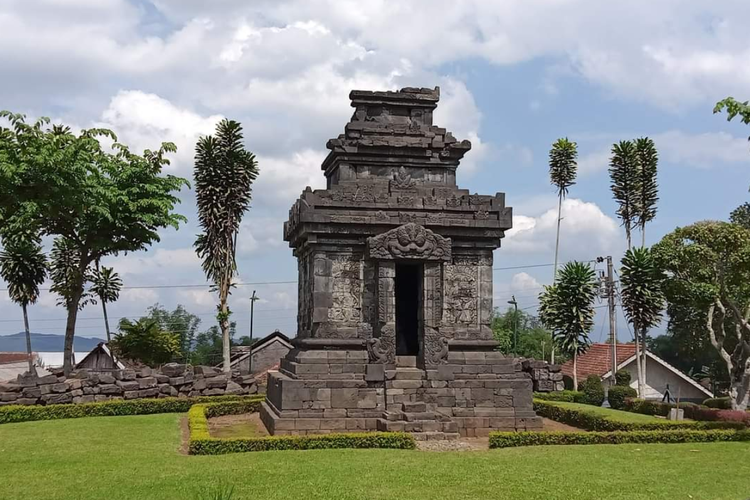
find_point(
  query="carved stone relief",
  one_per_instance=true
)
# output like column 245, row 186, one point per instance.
column 461, row 292
column 382, row 349
column 410, row 241
column 435, row 347
column 347, row 289
column 402, row 180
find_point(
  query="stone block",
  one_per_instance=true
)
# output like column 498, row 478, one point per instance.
column 344, row 398
column 57, row 399
column 234, row 388
column 128, row 385
column 367, row 399
column 303, row 424
column 47, row 379
column 127, row 375
column 26, row 401
column 60, row 387
column 161, row 379
column 148, row 393
column 177, row 381
column 176, row 369
column 73, row 384
column 375, row 373
column 10, row 387
column 84, row 399
column 213, row 392
column 131, row 394
column 405, row 384
column 8, row 396
column 106, row 378
column 32, row 392
column 199, row 384
column 110, row 389
column 218, row 382
column 145, row 372
column 81, row 374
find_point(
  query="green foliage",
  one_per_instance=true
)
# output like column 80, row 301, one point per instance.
column 700, row 413
column 562, row 165
column 567, row 396
column 146, row 342
column 719, row 403
column 647, row 193
column 96, row 203
column 603, row 419
column 622, row 378
column 623, row 172
column 106, row 284
column 618, row 394
column 567, row 307
column 23, row 267
column 708, row 270
column 17, row 413
column 68, row 274
column 642, row 297
column 734, row 108
column 208, row 345
column 201, row 443
column 510, row 439
column 533, row 340
column 183, row 323
column 593, row 389
column 221, row 491
column 741, row 215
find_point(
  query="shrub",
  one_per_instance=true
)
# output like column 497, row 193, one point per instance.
column 618, row 394
column 593, row 389
column 201, row 443
column 508, row 439
column 622, row 378
column 16, row 413
column 647, row 407
column 593, row 421
column 568, row 383
column 568, row 396
column 719, row 403
column 692, row 411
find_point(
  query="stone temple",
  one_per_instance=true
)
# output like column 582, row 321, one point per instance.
column 395, row 288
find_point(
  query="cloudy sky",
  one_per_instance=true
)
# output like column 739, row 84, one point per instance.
column 514, row 76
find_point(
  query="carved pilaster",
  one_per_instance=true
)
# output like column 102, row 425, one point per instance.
column 433, row 294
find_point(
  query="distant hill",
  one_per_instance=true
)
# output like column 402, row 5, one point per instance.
column 44, row 342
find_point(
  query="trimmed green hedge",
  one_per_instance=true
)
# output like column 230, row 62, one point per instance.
column 692, row 411
column 510, row 439
column 566, row 396
column 18, row 413
column 719, row 403
column 596, row 422
column 201, row 443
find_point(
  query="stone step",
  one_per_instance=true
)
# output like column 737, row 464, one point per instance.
column 419, row 416
column 435, row 436
column 406, row 361
column 423, row 426
column 414, row 407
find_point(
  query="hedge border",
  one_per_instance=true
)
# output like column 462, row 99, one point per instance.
column 18, row 413
column 593, row 422
column 201, row 443
column 534, row 438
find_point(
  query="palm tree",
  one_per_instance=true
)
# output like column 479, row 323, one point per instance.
column 567, row 309
column 224, row 173
column 648, row 189
column 642, row 301
column 562, row 174
column 106, row 285
column 23, row 266
column 623, row 171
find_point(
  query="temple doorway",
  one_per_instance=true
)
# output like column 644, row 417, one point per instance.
column 408, row 308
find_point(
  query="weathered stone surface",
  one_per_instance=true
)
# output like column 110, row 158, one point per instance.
column 173, row 369
column 128, row 385
column 110, row 389
column 147, row 382
column 10, row 387
column 55, row 399
column 234, row 388
column 106, row 378
column 216, row 382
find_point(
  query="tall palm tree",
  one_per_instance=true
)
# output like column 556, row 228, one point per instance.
column 648, row 189
column 567, row 309
column 224, row 173
column 562, row 174
column 623, row 171
column 106, row 285
column 23, row 266
column 642, row 301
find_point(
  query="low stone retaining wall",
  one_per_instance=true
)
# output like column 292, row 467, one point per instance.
column 546, row 377
column 172, row 380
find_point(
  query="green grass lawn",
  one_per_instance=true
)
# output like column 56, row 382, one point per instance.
column 609, row 413
column 137, row 458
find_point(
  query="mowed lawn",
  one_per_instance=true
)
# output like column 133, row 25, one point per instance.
column 136, row 458
column 610, row 414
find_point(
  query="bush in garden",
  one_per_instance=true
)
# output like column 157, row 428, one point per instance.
column 719, row 403
column 593, row 389
column 618, row 394
column 622, row 378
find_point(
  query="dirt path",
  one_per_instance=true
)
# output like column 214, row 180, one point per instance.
column 236, row 426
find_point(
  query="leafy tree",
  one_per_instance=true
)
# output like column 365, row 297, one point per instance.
column 209, row 345
column 647, row 188
column 145, row 341
column 708, row 269
column 623, row 172
column 179, row 321
column 642, row 301
column 95, row 202
column 224, row 173
column 562, row 174
column 533, row 340
column 567, row 309
column 106, row 285
column 741, row 215
column 23, row 266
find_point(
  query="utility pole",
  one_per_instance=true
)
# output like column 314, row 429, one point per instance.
column 609, row 292
column 513, row 302
column 252, row 310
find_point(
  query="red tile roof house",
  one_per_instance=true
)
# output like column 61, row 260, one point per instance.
column 13, row 364
column 659, row 374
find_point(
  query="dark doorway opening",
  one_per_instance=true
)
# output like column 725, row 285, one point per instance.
column 408, row 305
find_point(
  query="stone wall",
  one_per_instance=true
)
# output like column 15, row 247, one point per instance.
column 546, row 377
column 171, row 380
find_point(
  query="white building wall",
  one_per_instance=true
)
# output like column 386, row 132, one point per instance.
column 657, row 378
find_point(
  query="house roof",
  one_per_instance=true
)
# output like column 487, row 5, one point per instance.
column 102, row 346
column 598, row 361
column 241, row 352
